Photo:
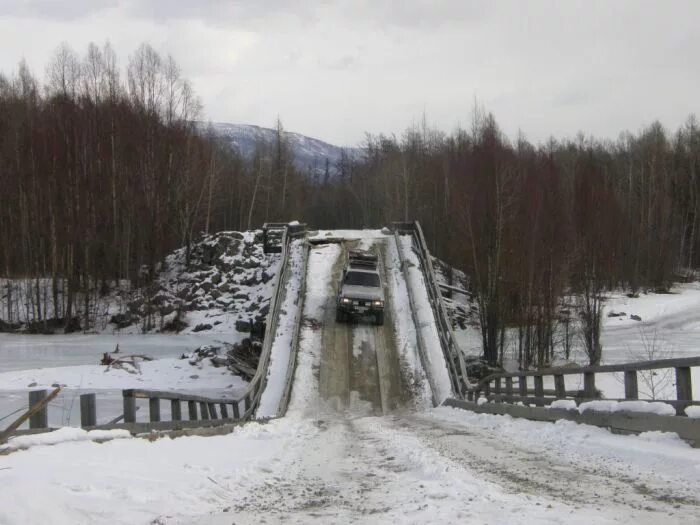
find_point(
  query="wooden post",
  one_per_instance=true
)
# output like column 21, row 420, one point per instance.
column 212, row 411
column 129, row 406
column 589, row 391
column 192, row 410
column 224, row 411
column 539, row 390
column 88, row 410
column 631, row 388
column 497, row 386
column 509, row 386
column 559, row 386
column 175, row 410
column 684, row 384
column 5, row 434
column 154, row 409
column 236, row 410
column 39, row 419
column 522, row 386
column 203, row 410
column 248, row 402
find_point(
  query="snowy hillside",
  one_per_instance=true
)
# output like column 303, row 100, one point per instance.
column 309, row 154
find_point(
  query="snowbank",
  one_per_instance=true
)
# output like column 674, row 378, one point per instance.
column 437, row 368
column 565, row 404
column 305, row 394
column 404, row 329
column 63, row 435
column 282, row 344
column 693, row 411
column 651, row 307
column 647, row 407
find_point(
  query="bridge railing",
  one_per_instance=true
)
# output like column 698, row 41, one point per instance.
column 291, row 367
column 201, row 410
column 450, row 347
column 516, row 387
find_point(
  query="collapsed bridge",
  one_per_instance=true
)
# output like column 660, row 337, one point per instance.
column 411, row 360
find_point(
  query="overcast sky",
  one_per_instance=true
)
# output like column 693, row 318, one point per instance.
column 335, row 69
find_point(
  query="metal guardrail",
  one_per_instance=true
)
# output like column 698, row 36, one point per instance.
column 242, row 407
column 450, row 348
column 499, row 387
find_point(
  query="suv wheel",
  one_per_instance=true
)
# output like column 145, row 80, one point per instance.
column 339, row 316
column 379, row 318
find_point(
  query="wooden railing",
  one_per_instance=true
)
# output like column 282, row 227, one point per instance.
column 502, row 387
column 453, row 354
column 201, row 410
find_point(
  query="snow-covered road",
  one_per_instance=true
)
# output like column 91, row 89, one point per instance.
column 441, row 465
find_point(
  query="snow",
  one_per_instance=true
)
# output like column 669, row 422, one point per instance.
column 481, row 401
column 564, row 404
column 282, row 344
column 305, row 399
column 693, row 411
column 660, row 409
column 437, row 368
column 404, row 329
column 411, row 469
column 349, row 235
column 652, row 307
column 63, row 435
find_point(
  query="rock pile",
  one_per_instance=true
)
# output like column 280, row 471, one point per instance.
column 226, row 286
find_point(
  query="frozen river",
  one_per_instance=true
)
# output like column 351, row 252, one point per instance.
column 29, row 362
column 23, row 352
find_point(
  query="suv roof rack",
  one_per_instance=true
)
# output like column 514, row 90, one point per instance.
column 362, row 259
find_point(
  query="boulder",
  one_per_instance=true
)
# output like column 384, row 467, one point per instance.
column 201, row 327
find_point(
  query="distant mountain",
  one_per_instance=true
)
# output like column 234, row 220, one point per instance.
column 309, row 154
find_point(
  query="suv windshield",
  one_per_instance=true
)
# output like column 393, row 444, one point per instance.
column 362, row 279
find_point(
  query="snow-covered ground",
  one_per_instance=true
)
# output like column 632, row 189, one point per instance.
column 321, row 465
column 443, row 465
column 72, row 361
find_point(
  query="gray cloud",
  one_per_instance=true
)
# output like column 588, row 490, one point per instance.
column 336, row 69
column 54, row 9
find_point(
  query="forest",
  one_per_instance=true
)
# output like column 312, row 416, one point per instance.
column 104, row 170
